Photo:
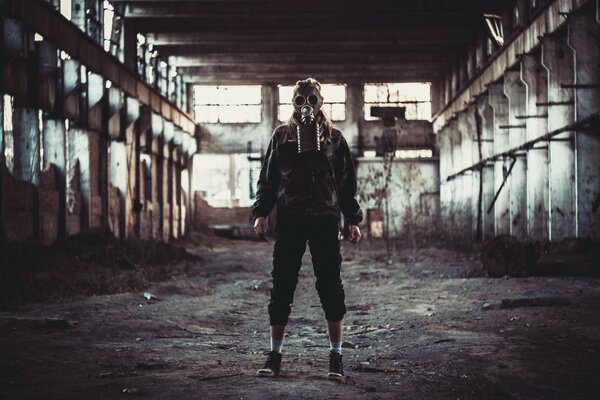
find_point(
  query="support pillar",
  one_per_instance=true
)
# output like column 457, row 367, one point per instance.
column 167, row 194
column 118, row 187
column 455, row 193
column 535, row 78
column 499, row 105
column 26, row 136
column 54, row 139
column 157, row 176
column 466, row 130
column 484, row 126
column 557, row 58
column 145, row 168
column 443, row 139
column 515, row 91
column 132, row 201
column 584, row 39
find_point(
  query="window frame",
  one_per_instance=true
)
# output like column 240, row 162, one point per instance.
column 367, row 104
column 288, row 102
column 220, row 106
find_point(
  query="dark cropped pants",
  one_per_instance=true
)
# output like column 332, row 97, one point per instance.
column 291, row 235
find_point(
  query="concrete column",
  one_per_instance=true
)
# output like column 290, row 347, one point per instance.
column 557, row 58
column 515, row 91
column 584, row 38
column 81, row 144
column 26, row 136
column 486, row 132
column 455, row 192
column 131, row 202
column 54, row 139
column 499, row 105
column 535, row 78
column 175, row 193
column 465, row 188
column 143, row 130
column 167, row 186
column 167, row 193
column 157, row 182
column 118, row 175
column 443, row 139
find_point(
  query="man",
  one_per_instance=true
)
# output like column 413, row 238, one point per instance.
column 308, row 174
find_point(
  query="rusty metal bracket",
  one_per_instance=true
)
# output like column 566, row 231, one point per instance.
column 511, row 126
column 531, row 116
column 591, row 122
column 556, row 103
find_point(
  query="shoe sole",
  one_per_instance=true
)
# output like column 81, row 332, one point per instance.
column 265, row 373
column 332, row 376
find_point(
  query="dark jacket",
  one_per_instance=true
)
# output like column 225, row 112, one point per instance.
column 309, row 183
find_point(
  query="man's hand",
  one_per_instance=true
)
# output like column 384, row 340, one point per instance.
column 260, row 226
column 354, row 234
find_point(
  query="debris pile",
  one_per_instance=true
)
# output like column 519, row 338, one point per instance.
column 91, row 263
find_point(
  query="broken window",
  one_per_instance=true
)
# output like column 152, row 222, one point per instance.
column 7, row 131
column 228, row 104
column 224, row 180
column 494, row 25
column 334, row 101
column 416, row 97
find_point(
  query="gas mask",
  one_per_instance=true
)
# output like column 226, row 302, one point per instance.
column 307, row 103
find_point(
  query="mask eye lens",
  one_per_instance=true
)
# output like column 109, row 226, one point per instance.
column 299, row 100
column 312, row 99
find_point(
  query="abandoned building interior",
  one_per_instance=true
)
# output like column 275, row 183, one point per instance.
column 133, row 133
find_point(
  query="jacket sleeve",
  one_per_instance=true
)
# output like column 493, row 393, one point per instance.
column 268, row 182
column 348, row 186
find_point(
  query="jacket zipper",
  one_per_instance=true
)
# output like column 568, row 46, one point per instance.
column 312, row 186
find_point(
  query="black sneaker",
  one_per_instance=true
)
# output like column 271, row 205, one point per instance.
column 336, row 369
column 272, row 366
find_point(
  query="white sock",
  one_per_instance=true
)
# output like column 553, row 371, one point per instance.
column 276, row 345
column 336, row 346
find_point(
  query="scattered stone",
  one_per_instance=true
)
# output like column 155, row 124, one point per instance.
column 486, row 306
column 349, row 345
column 149, row 296
column 131, row 390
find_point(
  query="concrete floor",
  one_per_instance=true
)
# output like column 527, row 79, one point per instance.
column 419, row 323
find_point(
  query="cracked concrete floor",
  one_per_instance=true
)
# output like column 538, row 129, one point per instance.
column 428, row 325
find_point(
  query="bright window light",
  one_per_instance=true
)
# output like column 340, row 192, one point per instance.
column 228, row 104
column 416, row 153
column 416, row 97
column 65, row 8
column 334, row 97
column 109, row 16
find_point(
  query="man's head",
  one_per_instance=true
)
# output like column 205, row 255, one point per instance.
column 307, row 99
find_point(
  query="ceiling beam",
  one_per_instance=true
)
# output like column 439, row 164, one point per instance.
column 397, row 36
column 309, row 59
column 309, row 24
column 341, row 48
column 298, row 10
